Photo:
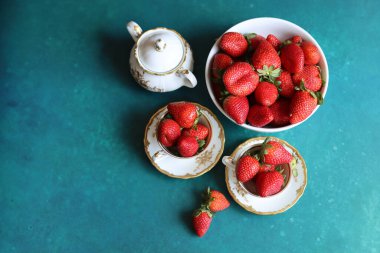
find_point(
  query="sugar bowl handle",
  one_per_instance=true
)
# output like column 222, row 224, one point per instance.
column 134, row 30
column 227, row 160
column 191, row 79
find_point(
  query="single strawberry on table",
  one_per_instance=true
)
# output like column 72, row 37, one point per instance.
column 259, row 115
column 292, row 58
column 237, row 108
column 240, row 79
column 187, row 146
column 272, row 152
column 233, row 43
column 247, row 168
column 269, row 183
column 219, row 64
column 199, row 131
column 184, row 113
column 266, row 93
column 285, row 84
column 281, row 112
column 310, row 76
column 216, row 201
column 202, row 218
column 265, row 54
column 311, row 52
column 168, row 132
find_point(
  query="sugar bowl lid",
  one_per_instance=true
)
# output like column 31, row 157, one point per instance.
column 160, row 50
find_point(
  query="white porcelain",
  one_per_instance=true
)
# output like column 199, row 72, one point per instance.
column 282, row 29
column 161, row 60
column 181, row 167
column 278, row 203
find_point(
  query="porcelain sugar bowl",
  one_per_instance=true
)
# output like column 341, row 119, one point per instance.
column 161, row 60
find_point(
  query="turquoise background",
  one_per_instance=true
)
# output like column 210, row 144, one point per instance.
column 73, row 173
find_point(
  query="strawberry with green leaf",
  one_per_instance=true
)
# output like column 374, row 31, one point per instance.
column 216, row 201
column 272, row 152
column 202, row 218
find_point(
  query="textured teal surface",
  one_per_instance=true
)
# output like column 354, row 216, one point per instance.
column 73, row 173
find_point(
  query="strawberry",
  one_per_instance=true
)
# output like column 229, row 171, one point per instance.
column 184, row 113
column 274, row 41
column 187, row 145
column 285, row 84
column 269, row 183
column 296, row 39
column 310, row 77
column 266, row 167
column 292, row 58
column 272, row 152
column 237, row 108
column 168, row 132
column 202, row 218
column 311, row 52
column 233, row 43
column 254, row 40
column 216, row 201
column 259, row 115
column 280, row 111
column 199, row 131
column 301, row 106
column 266, row 93
column 219, row 64
column 265, row 54
column 240, row 79
column 247, row 168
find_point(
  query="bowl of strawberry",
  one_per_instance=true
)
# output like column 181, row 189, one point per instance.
column 267, row 74
column 184, row 140
column 265, row 175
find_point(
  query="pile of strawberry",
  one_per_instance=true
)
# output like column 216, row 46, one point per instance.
column 264, row 168
column 214, row 201
column 180, row 131
column 266, row 82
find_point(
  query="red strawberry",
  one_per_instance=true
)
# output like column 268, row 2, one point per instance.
column 237, row 108
column 233, row 43
column 240, row 79
column 184, row 113
column 201, row 221
column 301, row 106
column 296, row 39
column 274, row 153
column 269, row 183
column 168, row 132
column 267, row 167
column 310, row 76
column 247, row 168
column 265, row 54
column 216, row 201
column 199, row 131
column 266, row 93
column 280, row 111
column 312, row 55
column 259, row 115
column 286, row 86
column 274, row 41
column 254, row 40
column 219, row 64
column 187, row 145
column 292, row 58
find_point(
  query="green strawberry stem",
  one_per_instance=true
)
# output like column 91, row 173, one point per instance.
column 315, row 94
column 201, row 209
column 263, row 149
column 269, row 74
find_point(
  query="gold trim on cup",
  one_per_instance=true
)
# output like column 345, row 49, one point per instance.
column 299, row 191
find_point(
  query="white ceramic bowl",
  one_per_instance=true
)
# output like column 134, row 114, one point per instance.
column 282, row 29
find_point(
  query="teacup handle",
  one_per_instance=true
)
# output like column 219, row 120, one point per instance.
column 227, row 160
column 192, row 80
column 159, row 155
column 134, row 30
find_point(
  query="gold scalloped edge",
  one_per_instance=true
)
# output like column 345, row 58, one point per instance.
column 186, row 176
column 299, row 191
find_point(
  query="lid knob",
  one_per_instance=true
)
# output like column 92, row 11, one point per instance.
column 160, row 45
